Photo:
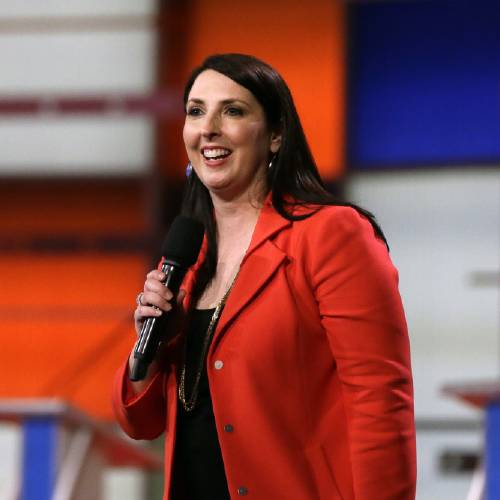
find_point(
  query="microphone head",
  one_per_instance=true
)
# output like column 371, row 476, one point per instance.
column 183, row 241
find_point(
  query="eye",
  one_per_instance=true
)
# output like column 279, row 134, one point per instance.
column 194, row 111
column 234, row 111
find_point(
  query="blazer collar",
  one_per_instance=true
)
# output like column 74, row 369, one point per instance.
column 261, row 260
column 269, row 223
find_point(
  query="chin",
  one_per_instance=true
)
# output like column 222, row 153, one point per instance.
column 215, row 181
column 216, row 187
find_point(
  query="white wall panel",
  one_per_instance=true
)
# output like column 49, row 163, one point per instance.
column 442, row 226
column 46, row 8
column 76, row 146
column 434, row 484
column 10, row 460
column 124, row 483
column 75, row 63
column 81, row 62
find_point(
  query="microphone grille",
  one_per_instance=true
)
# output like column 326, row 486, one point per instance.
column 183, row 241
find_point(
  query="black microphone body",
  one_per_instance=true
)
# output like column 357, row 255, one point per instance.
column 180, row 250
column 154, row 328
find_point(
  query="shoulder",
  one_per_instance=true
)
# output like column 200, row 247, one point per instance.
column 333, row 222
column 337, row 236
column 339, row 245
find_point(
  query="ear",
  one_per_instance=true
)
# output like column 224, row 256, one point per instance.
column 275, row 144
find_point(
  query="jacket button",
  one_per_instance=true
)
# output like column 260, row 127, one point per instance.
column 228, row 428
column 218, row 364
column 242, row 491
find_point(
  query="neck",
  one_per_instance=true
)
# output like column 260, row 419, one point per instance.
column 236, row 220
column 234, row 205
column 235, row 217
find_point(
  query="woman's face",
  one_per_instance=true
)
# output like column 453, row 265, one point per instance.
column 227, row 138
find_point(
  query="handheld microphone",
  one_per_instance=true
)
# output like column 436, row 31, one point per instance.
column 180, row 251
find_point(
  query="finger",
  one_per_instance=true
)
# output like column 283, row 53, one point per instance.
column 142, row 312
column 155, row 299
column 153, row 285
column 156, row 274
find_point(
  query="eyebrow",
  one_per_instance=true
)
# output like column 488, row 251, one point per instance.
column 224, row 102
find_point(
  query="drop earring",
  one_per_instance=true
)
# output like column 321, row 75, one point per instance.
column 270, row 166
column 189, row 169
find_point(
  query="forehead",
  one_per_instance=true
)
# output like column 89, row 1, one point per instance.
column 214, row 86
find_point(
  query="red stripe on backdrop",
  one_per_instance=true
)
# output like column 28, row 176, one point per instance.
column 159, row 104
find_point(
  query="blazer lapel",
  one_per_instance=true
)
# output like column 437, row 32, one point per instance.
column 189, row 280
column 261, row 261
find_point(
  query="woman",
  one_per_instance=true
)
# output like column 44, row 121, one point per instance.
column 289, row 377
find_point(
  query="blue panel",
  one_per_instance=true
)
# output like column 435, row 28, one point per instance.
column 39, row 459
column 492, row 452
column 424, row 83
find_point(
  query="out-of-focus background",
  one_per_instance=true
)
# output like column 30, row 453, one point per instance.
column 400, row 101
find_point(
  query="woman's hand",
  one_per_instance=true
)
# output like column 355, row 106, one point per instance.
column 155, row 300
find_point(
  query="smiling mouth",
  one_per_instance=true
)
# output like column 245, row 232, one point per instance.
column 215, row 153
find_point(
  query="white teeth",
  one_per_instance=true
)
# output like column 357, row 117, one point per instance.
column 215, row 153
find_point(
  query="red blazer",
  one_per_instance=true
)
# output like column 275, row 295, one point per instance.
column 309, row 364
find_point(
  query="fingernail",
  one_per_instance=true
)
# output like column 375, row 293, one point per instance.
column 158, row 312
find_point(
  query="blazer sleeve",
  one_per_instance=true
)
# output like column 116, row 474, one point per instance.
column 141, row 415
column 144, row 415
column 356, row 287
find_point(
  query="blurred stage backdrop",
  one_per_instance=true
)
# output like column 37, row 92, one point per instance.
column 400, row 101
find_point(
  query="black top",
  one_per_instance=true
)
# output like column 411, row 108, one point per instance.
column 198, row 467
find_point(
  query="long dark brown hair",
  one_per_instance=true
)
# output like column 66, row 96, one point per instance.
column 293, row 178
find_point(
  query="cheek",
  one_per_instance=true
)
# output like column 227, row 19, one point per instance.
column 189, row 136
column 252, row 136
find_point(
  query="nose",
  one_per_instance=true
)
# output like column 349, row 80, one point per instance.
column 211, row 125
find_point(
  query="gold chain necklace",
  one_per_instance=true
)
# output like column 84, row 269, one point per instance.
column 189, row 403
